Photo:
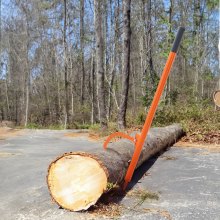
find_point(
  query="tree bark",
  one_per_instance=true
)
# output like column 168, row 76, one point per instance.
column 88, row 174
column 92, row 72
column 28, row 74
column 65, row 67
column 168, row 85
column 82, row 50
column 126, row 63
column 99, row 63
column 150, row 43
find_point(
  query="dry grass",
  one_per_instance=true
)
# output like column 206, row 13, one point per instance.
column 143, row 194
column 106, row 210
column 108, row 205
column 6, row 132
column 95, row 137
column 163, row 213
column 7, row 154
column 92, row 136
column 203, row 137
column 76, row 135
column 166, row 157
column 88, row 136
column 210, row 147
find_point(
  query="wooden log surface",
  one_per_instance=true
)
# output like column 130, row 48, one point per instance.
column 76, row 180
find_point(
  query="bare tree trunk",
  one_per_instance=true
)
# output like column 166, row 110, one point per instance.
column 111, row 88
column 71, row 84
column 72, row 100
column 111, row 93
column 82, row 50
column 93, row 88
column 57, row 94
column 196, row 32
column 27, row 75
column 105, row 33
column 99, row 62
column 133, row 73
column 196, row 88
column 143, row 48
column 126, row 63
column 6, row 94
column 142, row 66
column 150, row 43
column 168, row 89
column 27, row 98
column 65, row 67
column 202, row 92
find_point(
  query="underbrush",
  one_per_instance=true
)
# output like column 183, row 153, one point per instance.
column 200, row 121
column 191, row 117
column 39, row 126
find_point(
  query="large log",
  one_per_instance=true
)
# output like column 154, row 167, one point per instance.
column 76, row 180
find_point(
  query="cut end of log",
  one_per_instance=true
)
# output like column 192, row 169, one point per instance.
column 76, row 181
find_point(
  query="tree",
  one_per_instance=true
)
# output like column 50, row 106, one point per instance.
column 168, row 89
column 82, row 50
column 126, row 63
column 53, row 73
column 65, row 67
column 99, row 62
column 25, row 8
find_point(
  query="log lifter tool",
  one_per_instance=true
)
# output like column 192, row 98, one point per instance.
column 139, row 139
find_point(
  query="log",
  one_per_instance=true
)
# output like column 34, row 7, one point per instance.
column 76, row 180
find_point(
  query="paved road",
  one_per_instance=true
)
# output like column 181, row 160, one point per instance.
column 187, row 181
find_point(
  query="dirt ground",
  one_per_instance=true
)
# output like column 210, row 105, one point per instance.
column 6, row 132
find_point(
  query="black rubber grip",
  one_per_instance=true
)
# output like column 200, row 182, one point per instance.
column 177, row 40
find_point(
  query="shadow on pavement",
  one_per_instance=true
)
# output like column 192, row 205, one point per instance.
column 140, row 172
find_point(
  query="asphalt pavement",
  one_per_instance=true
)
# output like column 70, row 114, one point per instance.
column 186, row 181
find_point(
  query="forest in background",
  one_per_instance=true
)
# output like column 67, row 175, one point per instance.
column 72, row 64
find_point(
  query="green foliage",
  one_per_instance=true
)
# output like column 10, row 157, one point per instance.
column 33, row 126
column 82, row 126
column 174, row 96
column 148, row 195
column 193, row 117
column 56, row 127
column 212, row 4
column 39, row 126
column 44, row 5
column 111, row 186
column 95, row 127
column 143, row 195
column 141, row 118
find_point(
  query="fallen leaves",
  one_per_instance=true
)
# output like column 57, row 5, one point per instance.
column 106, row 210
column 211, row 137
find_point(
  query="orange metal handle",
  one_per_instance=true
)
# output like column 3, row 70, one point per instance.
column 141, row 139
column 149, row 119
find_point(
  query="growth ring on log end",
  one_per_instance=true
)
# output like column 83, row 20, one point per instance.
column 76, row 181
